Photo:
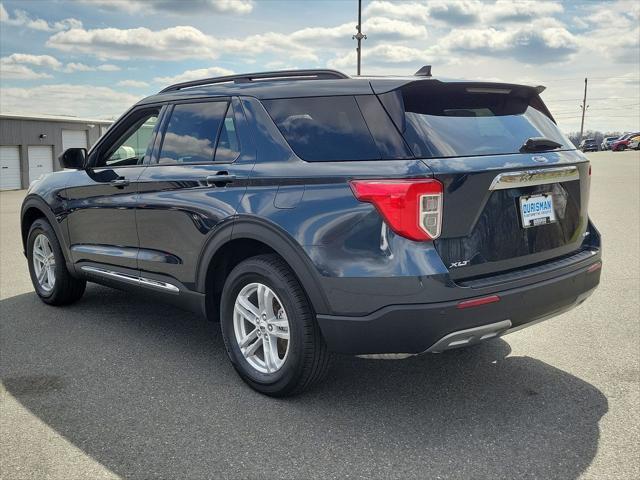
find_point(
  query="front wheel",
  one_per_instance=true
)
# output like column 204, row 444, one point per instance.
column 269, row 328
column 51, row 280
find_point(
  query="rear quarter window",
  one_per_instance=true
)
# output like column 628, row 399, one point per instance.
column 324, row 128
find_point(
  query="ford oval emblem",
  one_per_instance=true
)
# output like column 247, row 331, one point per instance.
column 539, row 159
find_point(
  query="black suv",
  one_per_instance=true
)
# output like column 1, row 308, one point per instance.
column 310, row 212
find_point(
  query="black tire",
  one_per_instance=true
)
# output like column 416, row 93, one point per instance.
column 66, row 289
column 308, row 359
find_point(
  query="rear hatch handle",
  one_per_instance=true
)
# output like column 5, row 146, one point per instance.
column 539, row 144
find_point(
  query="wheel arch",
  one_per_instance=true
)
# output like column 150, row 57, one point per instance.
column 34, row 208
column 246, row 237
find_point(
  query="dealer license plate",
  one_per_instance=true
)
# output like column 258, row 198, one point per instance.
column 537, row 210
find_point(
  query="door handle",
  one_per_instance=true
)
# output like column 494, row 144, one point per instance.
column 119, row 182
column 220, row 180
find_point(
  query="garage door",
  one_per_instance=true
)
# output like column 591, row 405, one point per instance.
column 40, row 161
column 74, row 139
column 9, row 168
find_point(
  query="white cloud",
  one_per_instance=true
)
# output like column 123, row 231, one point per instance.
column 14, row 66
column 82, row 67
column 132, row 84
column 403, row 11
column 65, row 99
column 176, row 6
column 531, row 43
column 36, row 60
column 21, row 18
column 172, row 43
column 194, row 75
column 13, row 71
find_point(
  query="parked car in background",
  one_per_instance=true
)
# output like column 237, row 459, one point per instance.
column 606, row 143
column 622, row 143
column 311, row 212
column 634, row 143
column 589, row 145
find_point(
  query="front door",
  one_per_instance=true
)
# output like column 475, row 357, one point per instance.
column 196, row 179
column 101, row 200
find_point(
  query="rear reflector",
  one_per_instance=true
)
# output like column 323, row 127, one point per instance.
column 594, row 267
column 479, row 301
column 412, row 207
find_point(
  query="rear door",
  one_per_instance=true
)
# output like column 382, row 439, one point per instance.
column 505, row 205
column 195, row 181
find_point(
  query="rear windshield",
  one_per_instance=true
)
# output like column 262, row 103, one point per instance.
column 450, row 120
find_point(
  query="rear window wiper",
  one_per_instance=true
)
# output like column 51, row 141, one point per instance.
column 539, row 144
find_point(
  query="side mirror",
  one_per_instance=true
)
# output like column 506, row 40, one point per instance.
column 74, row 158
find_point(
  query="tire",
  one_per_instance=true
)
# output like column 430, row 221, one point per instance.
column 306, row 360
column 65, row 289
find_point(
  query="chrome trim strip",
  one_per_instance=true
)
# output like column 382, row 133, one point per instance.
column 527, row 178
column 145, row 282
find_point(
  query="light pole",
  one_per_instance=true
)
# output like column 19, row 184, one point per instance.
column 359, row 36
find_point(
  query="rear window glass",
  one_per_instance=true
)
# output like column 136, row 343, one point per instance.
column 324, row 128
column 456, row 120
column 192, row 132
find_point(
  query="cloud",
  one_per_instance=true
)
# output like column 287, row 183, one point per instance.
column 132, row 84
column 403, row 11
column 77, row 100
column 194, row 75
column 35, row 60
column 14, row 66
column 533, row 43
column 178, row 7
column 21, row 18
column 174, row 43
column 82, row 67
column 521, row 10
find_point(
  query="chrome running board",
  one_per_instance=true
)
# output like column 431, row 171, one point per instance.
column 124, row 277
column 527, row 178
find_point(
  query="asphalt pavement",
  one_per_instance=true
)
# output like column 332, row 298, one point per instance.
column 117, row 386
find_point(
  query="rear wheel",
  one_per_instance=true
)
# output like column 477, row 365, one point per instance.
column 51, row 280
column 269, row 328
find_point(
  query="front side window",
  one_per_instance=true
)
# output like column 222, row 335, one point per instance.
column 134, row 144
column 192, row 133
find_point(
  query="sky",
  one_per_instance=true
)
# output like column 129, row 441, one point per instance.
column 94, row 58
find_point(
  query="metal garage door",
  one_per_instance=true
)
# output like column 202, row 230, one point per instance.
column 9, row 168
column 40, row 161
column 74, row 139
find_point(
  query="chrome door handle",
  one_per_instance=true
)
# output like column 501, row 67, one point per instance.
column 220, row 180
column 119, row 182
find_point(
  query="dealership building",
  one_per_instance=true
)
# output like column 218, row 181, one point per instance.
column 31, row 144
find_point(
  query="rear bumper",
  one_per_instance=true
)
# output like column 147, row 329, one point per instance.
column 418, row 328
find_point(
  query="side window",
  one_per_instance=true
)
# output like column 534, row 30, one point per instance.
column 135, row 142
column 191, row 133
column 228, row 147
column 324, row 128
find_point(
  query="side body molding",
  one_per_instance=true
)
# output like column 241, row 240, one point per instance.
column 253, row 228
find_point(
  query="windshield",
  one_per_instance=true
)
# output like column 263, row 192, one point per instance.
column 450, row 120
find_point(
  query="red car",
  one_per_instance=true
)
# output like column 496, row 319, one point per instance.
column 622, row 143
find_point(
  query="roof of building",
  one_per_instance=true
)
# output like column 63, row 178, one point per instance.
column 54, row 118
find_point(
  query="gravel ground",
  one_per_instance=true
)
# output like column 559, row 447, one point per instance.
column 117, row 386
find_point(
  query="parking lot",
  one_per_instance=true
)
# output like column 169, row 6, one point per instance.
column 116, row 386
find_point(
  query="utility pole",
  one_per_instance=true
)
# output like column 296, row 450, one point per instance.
column 359, row 36
column 584, row 108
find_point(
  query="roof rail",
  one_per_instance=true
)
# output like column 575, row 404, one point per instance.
column 249, row 77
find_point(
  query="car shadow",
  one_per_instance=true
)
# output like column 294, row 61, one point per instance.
column 146, row 390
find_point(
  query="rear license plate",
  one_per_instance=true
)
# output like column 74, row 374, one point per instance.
column 537, row 210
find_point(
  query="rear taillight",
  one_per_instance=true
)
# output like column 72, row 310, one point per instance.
column 412, row 208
